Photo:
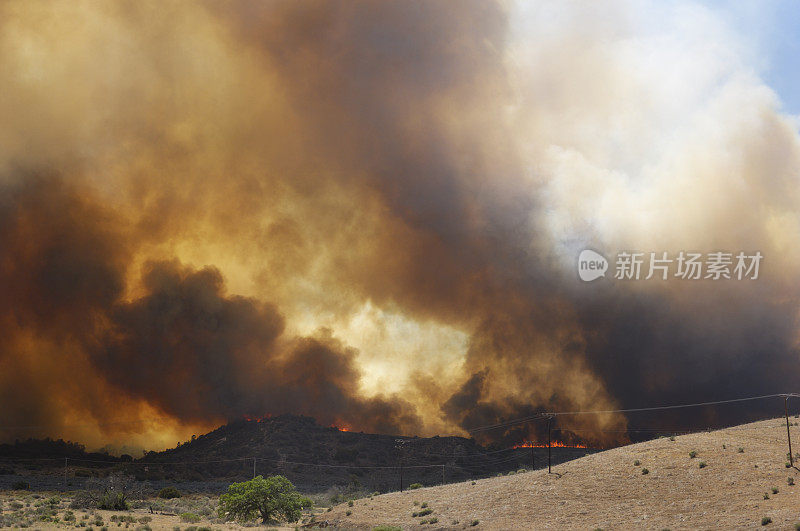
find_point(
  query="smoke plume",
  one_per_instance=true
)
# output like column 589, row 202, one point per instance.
column 370, row 212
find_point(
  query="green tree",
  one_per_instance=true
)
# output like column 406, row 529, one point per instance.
column 273, row 498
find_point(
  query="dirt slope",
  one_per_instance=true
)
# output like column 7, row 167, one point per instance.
column 606, row 490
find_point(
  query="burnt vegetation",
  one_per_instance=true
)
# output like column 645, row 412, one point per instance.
column 311, row 456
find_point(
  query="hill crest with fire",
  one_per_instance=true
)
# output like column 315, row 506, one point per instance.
column 313, row 456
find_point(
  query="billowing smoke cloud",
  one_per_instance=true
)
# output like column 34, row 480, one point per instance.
column 370, row 212
column 184, row 345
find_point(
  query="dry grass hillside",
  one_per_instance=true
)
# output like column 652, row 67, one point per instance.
column 728, row 484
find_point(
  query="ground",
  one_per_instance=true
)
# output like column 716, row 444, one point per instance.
column 741, row 467
column 733, row 478
column 27, row 509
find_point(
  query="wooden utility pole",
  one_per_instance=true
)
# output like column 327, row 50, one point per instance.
column 400, row 445
column 788, row 434
column 549, row 421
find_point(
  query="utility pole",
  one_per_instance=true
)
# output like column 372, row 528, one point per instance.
column 533, row 458
column 788, row 434
column 400, row 445
column 549, row 421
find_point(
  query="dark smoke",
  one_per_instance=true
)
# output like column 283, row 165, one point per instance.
column 184, row 345
column 323, row 156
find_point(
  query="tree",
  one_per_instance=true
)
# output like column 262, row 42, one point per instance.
column 112, row 493
column 273, row 498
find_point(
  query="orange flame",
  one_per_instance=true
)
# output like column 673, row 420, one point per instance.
column 248, row 418
column 554, row 444
column 341, row 428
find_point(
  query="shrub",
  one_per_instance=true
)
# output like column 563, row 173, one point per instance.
column 740, row 450
column 169, row 493
column 766, row 520
column 348, row 513
column 433, row 520
column 474, row 523
column 415, row 486
column 145, row 519
column 112, row 501
column 425, row 512
column 774, row 490
column 190, row 518
column 692, row 454
column 111, row 493
column 424, row 504
column 790, row 480
column 637, row 463
column 672, row 438
column 21, row 485
column 645, row 471
column 787, row 464
column 702, row 464
column 766, row 496
column 350, row 503
column 272, row 498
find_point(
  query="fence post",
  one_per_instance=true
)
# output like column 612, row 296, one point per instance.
column 788, row 434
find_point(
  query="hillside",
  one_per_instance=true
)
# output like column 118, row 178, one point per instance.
column 312, row 456
column 316, row 457
column 607, row 490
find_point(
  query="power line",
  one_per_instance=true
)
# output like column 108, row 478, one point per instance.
column 539, row 416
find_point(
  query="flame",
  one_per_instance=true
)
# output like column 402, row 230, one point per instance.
column 341, row 428
column 553, row 444
column 248, row 418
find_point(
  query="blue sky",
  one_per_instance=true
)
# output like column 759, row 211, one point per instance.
column 773, row 28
